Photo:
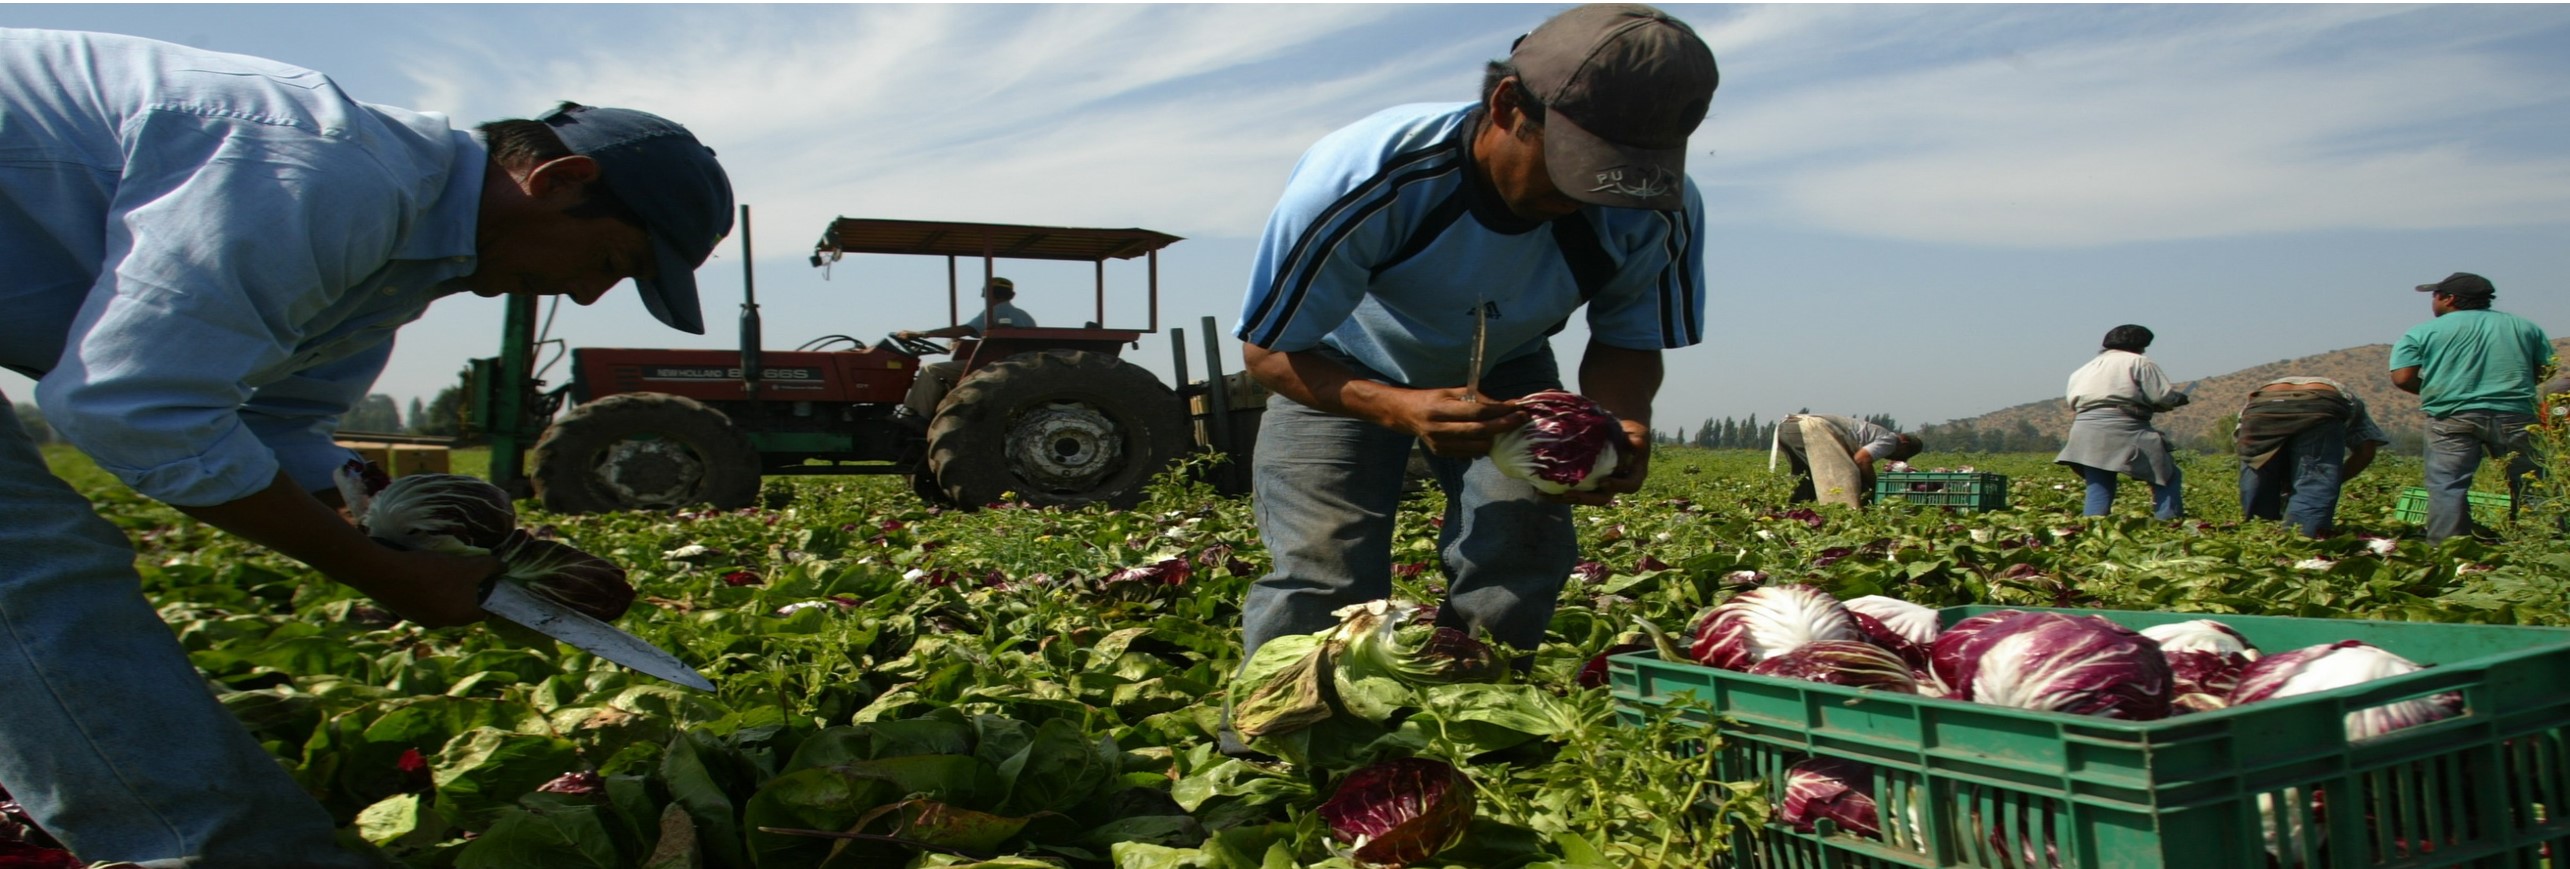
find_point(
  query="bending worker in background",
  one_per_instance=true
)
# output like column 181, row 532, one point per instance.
column 2300, row 439
column 1562, row 188
column 204, row 261
column 2475, row 372
column 1842, row 471
column 2114, row 397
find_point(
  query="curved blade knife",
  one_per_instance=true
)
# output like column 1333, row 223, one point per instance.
column 512, row 601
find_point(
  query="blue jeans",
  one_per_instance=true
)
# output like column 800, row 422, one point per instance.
column 2300, row 484
column 108, row 736
column 2455, row 445
column 1327, row 489
column 2166, row 503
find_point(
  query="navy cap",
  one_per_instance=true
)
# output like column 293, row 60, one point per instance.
column 668, row 179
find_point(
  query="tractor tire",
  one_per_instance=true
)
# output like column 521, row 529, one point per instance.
column 644, row 451
column 1058, row 428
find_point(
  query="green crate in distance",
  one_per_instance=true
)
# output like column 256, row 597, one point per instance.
column 1968, row 490
column 2488, row 508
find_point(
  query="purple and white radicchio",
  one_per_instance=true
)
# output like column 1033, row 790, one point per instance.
column 1569, row 444
column 1853, row 663
column 2082, row 665
column 1399, row 812
column 1834, row 788
column 1763, row 622
column 1946, row 663
column 2205, row 657
column 2338, row 665
column 1912, row 622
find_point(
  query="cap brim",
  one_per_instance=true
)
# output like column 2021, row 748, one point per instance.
column 671, row 296
column 2428, row 288
column 1588, row 168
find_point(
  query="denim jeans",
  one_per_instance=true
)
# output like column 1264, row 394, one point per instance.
column 1327, row 489
column 2455, row 445
column 108, row 736
column 2300, row 484
column 2166, row 501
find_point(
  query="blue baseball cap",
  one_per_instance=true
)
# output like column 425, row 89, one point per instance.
column 667, row 178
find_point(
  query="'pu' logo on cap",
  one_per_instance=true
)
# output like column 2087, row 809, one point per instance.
column 1643, row 182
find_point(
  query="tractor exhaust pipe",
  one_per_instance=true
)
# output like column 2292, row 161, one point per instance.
column 749, row 315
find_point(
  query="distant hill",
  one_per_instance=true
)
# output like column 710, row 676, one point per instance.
column 2042, row 424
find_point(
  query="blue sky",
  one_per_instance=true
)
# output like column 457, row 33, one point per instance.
column 1929, row 211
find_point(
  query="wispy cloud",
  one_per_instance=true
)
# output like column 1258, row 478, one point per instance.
column 2016, row 129
column 1071, row 114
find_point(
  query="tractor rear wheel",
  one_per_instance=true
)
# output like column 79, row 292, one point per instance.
column 1060, row 427
column 644, row 451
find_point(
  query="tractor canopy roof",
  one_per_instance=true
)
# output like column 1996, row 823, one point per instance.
column 986, row 240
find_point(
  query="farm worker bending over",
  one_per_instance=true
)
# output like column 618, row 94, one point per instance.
column 2474, row 371
column 1843, row 468
column 2114, row 396
column 204, row 260
column 938, row 378
column 1562, row 187
column 2300, row 438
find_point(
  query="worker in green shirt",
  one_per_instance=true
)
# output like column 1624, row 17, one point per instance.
column 2475, row 372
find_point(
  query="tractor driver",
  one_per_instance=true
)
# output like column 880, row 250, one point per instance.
column 204, row 258
column 938, row 378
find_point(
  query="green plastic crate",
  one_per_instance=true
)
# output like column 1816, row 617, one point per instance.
column 1967, row 785
column 2488, row 508
column 1965, row 490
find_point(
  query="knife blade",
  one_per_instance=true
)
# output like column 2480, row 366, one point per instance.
column 1480, row 336
column 511, row 601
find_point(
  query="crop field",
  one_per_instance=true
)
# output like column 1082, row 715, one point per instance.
column 1014, row 687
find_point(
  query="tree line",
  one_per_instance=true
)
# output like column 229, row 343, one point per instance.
column 1730, row 433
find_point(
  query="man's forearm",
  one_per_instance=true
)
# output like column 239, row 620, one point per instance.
column 1316, row 382
column 1623, row 381
column 284, row 518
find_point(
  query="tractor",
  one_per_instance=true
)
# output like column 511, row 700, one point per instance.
column 1048, row 416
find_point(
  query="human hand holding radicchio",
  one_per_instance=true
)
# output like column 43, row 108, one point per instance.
column 1570, row 447
column 462, row 515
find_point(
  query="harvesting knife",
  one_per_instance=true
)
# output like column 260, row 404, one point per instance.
column 512, row 601
column 1480, row 334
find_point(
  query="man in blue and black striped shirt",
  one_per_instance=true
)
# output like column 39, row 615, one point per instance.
column 1563, row 188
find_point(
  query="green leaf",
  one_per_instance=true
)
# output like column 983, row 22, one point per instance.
column 944, row 825
column 399, row 821
column 677, row 842
column 1063, row 769
column 570, row 838
column 698, row 770
column 819, row 798
column 482, row 771
column 1182, row 830
column 1138, row 855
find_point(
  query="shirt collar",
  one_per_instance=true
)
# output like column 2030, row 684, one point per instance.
column 446, row 231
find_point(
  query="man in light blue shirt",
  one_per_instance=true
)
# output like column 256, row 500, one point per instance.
column 203, row 258
column 1561, row 192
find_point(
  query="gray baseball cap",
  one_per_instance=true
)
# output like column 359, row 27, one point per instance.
column 671, row 181
column 1622, row 86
